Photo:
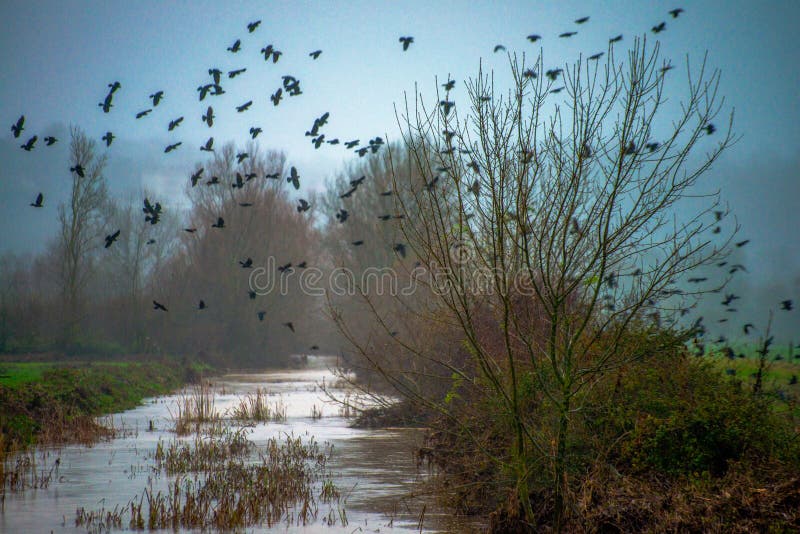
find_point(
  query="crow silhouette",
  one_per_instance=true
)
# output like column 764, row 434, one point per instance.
column 261, row 315
column 143, row 113
column 729, row 297
column 742, row 243
column 111, row 238
column 285, row 268
column 28, row 146
column 660, row 27
column 190, row 230
column 158, row 306
column 616, row 39
column 108, row 138
column 351, row 144
column 156, row 97
column 78, row 169
column 557, row 90
column 251, row 26
column 209, row 146
column 449, row 85
column 254, row 131
column 318, row 141
column 246, row 264
column 203, row 90
column 241, row 156
column 358, row 181
column 567, row 34
column 219, row 224
column 675, row 12
column 534, row 37
column 387, row 193
column 251, row 294
column 18, row 126
column 38, row 202
column 400, row 248
column 581, row 20
column 304, row 206
column 236, row 72
column 499, row 48
column 553, row 73
column 406, row 42
column 447, row 105
column 272, row 176
column 342, row 215
column 175, row 123
column 172, row 147
column 276, row 97
column 334, row 141
column 267, row 51
column 196, row 176
column 294, row 178
column 213, row 181
column 315, row 54
column 710, row 128
column 151, row 242
column 106, row 103
column 302, row 265
column 349, row 192
column 152, row 212
column 289, row 325
column 238, row 183
column 201, row 305
column 208, row 118
column 236, row 46
column 215, row 74
column 358, row 243
column 786, row 305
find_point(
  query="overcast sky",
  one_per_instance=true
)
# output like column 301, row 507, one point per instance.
column 57, row 58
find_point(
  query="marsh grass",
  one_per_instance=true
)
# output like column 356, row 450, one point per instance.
column 218, row 484
column 20, row 472
column 257, row 408
column 193, row 409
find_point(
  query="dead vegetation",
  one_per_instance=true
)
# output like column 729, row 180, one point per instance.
column 223, row 481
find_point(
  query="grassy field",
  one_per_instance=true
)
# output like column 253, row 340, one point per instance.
column 56, row 402
column 782, row 371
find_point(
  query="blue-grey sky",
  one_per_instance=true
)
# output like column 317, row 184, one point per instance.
column 57, row 57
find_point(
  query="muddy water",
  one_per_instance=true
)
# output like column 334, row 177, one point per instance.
column 374, row 469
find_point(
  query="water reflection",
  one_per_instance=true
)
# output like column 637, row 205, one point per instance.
column 374, row 469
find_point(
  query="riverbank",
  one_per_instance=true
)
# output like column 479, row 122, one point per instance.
column 52, row 403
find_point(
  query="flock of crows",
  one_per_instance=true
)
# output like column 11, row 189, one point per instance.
column 290, row 88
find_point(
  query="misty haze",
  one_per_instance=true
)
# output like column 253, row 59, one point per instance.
column 357, row 266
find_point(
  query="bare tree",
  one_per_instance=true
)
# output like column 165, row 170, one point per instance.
column 80, row 219
column 553, row 227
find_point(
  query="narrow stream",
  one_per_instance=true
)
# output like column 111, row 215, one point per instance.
column 374, row 469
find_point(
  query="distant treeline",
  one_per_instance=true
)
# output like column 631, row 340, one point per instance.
column 94, row 289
